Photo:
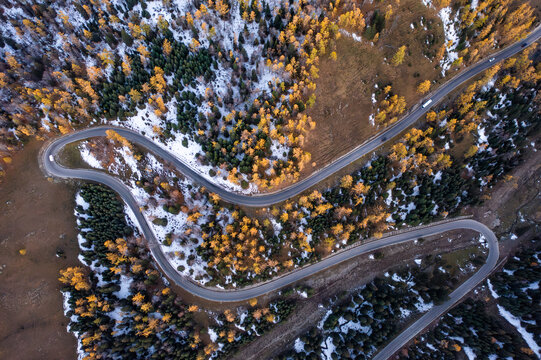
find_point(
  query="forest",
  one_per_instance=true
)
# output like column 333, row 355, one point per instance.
column 430, row 173
column 359, row 323
column 473, row 326
column 233, row 79
column 232, row 83
column 120, row 306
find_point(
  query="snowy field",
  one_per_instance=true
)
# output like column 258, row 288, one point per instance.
column 177, row 254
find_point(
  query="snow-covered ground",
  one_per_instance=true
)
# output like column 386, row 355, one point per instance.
column 145, row 122
column 177, row 253
column 422, row 306
column 469, row 353
column 328, row 348
column 299, row 345
column 89, row 158
column 492, row 291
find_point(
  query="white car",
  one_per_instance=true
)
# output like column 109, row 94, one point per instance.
column 51, row 159
column 491, row 59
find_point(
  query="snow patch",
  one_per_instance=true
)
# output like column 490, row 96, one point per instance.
column 451, row 38
column 213, row 335
column 528, row 338
column 299, row 345
column 89, row 158
column 469, row 352
column 492, row 291
column 328, row 348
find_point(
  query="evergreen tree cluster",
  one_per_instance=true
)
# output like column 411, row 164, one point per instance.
column 508, row 130
column 481, row 331
column 125, row 338
column 517, row 288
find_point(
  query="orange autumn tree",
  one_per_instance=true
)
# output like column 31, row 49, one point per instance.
column 423, row 87
column 352, row 20
column 75, row 277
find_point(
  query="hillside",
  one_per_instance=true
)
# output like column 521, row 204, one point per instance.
column 188, row 99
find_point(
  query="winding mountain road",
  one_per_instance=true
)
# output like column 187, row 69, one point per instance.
column 52, row 168
column 434, row 313
column 260, row 200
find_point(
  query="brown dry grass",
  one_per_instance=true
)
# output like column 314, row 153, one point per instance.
column 344, row 89
column 37, row 215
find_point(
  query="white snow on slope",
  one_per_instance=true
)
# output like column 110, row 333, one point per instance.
column 328, row 349
column 528, row 338
column 492, row 291
column 469, row 352
column 213, row 335
column 451, row 37
column 299, row 345
column 89, row 158
column 422, row 306
column 146, row 120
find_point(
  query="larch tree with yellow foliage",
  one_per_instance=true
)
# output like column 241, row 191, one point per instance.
column 423, row 87
column 398, row 57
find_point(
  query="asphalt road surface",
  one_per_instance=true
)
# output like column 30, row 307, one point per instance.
column 52, row 168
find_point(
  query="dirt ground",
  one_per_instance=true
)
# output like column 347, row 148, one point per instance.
column 35, row 215
column 345, row 86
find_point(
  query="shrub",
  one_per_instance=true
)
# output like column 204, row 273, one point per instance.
column 244, row 184
column 160, row 221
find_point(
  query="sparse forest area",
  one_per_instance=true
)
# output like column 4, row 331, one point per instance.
column 122, row 308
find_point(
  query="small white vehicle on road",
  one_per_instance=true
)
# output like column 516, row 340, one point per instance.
column 428, row 102
column 491, row 59
column 51, row 159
